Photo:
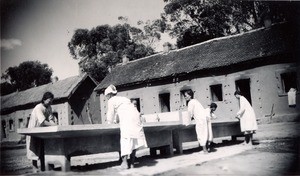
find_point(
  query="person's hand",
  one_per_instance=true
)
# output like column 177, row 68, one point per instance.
column 53, row 120
column 214, row 116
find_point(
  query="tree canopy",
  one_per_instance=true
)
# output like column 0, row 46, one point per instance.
column 27, row 75
column 195, row 21
column 104, row 46
column 189, row 21
column 6, row 88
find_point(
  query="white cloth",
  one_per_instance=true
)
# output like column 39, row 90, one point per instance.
column 196, row 110
column 292, row 97
column 129, row 144
column 130, row 122
column 39, row 114
column 247, row 116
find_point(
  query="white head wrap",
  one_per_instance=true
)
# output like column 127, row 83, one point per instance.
column 110, row 89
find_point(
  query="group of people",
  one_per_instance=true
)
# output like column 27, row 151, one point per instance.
column 121, row 110
column 203, row 118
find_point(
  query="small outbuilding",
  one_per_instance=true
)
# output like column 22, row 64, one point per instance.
column 74, row 102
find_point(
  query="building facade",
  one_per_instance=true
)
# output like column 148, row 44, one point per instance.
column 263, row 64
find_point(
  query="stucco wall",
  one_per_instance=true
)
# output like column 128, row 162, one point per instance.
column 12, row 135
column 265, row 88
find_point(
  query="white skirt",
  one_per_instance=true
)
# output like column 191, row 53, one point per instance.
column 202, row 131
column 129, row 144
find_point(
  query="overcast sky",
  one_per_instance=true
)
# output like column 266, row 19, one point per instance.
column 41, row 29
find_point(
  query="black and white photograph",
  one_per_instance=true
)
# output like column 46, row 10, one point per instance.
column 150, row 87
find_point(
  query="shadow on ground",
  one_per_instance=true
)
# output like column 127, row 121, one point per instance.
column 215, row 146
column 147, row 161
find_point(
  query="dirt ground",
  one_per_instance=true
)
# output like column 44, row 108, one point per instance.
column 276, row 153
column 278, row 157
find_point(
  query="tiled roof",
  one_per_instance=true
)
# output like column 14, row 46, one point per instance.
column 61, row 89
column 215, row 53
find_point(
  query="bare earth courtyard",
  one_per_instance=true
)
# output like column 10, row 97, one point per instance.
column 276, row 152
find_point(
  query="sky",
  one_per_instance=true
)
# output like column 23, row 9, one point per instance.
column 41, row 29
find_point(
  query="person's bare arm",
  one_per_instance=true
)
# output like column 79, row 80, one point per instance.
column 47, row 123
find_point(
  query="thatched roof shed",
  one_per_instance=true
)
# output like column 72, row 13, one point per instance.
column 62, row 90
column 210, row 57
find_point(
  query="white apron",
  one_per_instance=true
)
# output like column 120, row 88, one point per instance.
column 131, row 129
column 196, row 110
column 247, row 116
column 38, row 115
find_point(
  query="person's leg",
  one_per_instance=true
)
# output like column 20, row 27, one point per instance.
column 35, row 167
column 204, row 149
column 209, row 146
column 125, row 151
column 132, row 158
column 251, row 138
column 124, row 164
column 202, row 134
column 120, row 157
column 247, row 137
column 203, row 145
column 42, row 156
column 210, row 135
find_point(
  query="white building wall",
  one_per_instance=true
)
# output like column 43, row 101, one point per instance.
column 265, row 88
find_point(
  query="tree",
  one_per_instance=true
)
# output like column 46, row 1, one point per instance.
column 151, row 33
column 6, row 88
column 28, row 74
column 195, row 21
column 104, row 46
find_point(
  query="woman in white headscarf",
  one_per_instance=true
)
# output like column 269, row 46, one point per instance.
column 247, row 118
column 132, row 133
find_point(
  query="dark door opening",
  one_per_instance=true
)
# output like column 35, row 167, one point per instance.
column 243, row 85
column 164, row 100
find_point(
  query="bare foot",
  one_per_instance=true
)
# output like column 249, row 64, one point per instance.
column 203, row 152
column 124, row 165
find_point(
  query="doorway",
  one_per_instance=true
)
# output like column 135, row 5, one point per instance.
column 243, row 85
column 164, row 101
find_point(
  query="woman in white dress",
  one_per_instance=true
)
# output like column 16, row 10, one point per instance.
column 196, row 110
column 246, row 117
column 132, row 133
column 41, row 116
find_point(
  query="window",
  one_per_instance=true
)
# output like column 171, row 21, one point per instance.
column 183, row 100
column 55, row 114
column 243, row 85
column 164, row 101
column 136, row 102
column 216, row 92
column 21, row 124
column 288, row 80
column 11, row 125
